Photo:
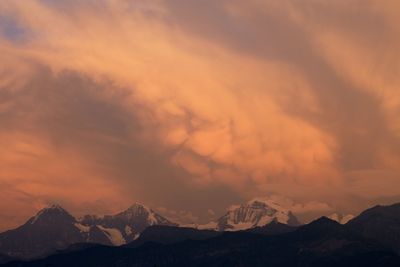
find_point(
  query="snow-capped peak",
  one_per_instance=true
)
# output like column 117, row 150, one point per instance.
column 139, row 210
column 256, row 212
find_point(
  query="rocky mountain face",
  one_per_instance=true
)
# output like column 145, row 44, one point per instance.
column 53, row 228
column 255, row 213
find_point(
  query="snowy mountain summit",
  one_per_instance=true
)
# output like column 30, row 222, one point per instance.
column 126, row 226
column 257, row 212
column 140, row 214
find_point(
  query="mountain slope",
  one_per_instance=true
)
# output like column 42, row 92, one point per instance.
column 273, row 228
column 381, row 223
column 169, row 235
column 53, row 228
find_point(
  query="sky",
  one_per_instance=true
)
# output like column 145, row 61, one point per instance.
column 190, row 106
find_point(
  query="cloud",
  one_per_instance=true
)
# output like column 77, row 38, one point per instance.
column 68, row 139
column 211, row 212
column 180, row 216
column 343, row 219
column 189, row 105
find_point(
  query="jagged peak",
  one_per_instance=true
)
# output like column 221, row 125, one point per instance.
column 138, row 208
column 51, row 209
column 138, row 205
column 55, row 207
column 144, row 212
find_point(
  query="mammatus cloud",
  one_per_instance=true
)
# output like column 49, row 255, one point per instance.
column 190, row 106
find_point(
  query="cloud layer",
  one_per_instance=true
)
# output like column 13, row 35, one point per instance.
column 191, row 105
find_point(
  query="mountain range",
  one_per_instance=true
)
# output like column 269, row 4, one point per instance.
column 257, row 233
column 53, row 228
column 370, row 239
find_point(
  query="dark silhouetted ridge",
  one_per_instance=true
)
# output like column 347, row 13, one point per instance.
column 171, row 234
